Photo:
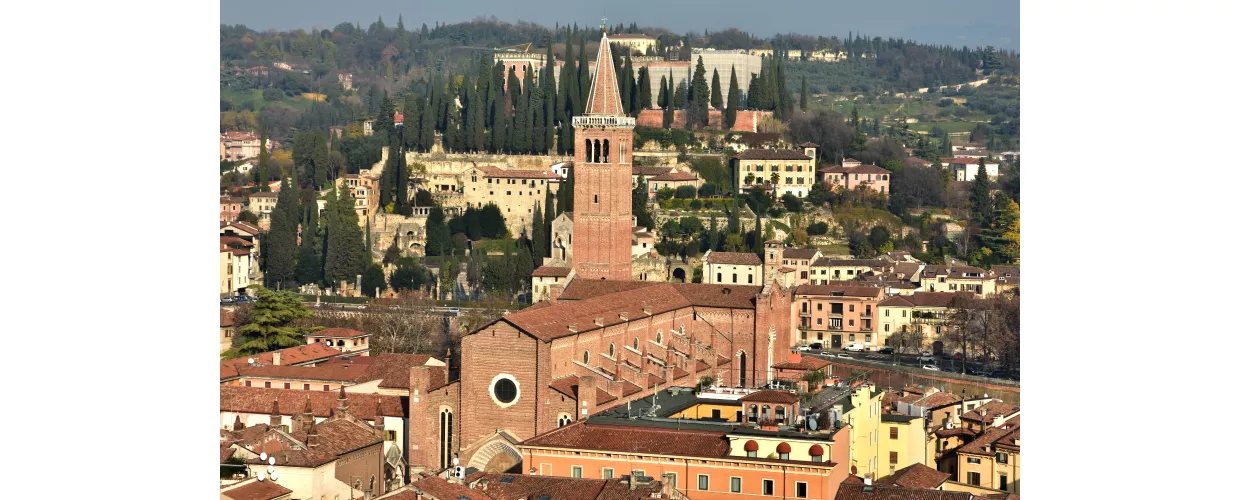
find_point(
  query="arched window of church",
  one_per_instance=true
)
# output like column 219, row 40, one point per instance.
column 611, row 350
column 658, row 337
column 606, row 150
column 635, row 344
column 564, row 420
column 585, row 358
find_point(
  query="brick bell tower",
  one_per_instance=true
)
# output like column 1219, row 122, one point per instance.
column 603, row 178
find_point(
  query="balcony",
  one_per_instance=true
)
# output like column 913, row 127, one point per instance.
column 805, row 314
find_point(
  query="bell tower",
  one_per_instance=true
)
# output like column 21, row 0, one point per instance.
column 603, row 178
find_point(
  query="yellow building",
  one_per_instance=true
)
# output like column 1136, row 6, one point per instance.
column 514, row 191
column 783, row 170
column 955, row 277
column 861, row 408
column 639, row 43
column 993, row 459
column 901, row 443
column 922, row 311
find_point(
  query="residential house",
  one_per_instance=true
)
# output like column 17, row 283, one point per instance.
column 242, row 145
column 230, row 208
column 797, row 260
column 643, row 242
column 514, row 191
column 346, row 339
column 262, row 204
column 1007, row 278
column 957, row 277
column 638, row 43
column 759, row 140
column 992, row 460
column 965, row 169
column 342, row 455
column 902, row 445
column 235, row 269
column 302, row 355
column 781, row 170
column 856, row 177
column 345, row 79
column 824, row 270
column 860, row 406
column 545, row 278
column 365, row 192
column 673, row 180
column 736, row 268
column 923, row 312
column 840, row 314
column 227, row 329
column 242, row 407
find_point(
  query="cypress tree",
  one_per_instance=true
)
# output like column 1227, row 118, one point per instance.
column 981, row 206
column 626, row 92
column 583, row 76
column 537, row 121
column 281, row 241
column 713, row 241
column 716, row 93
column 427, row 128
column 567, row 95
column 402, row 180
column 538, row 236
column 520, row 104
column 369, row 252
column 669, row 108
column 699, row 98
column 680, row 98
column 643, row 89
column 804, row 95
column 309, row 260
column 344, row 259
column 549, row 97
column 734, row 101
column 663, row 92
column 548, row 216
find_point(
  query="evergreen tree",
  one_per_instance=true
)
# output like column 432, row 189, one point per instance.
column 804, row 95
column 373, row 279
column 281, row 242
column 538, row 236
column 550, row 100
column 641, row 198
column 734, row 101
column 427, row 127
column 564, row 196
column 273, row 315
column 583, row 76
column 309, row 260
column 679, row 97
column 643, row 89
column 981, row 206
column 438, row 237
column 548, row 217
column 370, row 253
column 261, row 174
column 698, row 98
column 716, row 95
column 1003, row 235
column 713, row 238
column 345, row 258
column 521, row 105
column 663, row 95
column 627, row 85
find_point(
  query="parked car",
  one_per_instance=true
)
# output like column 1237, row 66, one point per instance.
column 886, row 350
column 226, row 300
column 925, row 358
column 931, row 368
column 803, row 348
column 817, row 346
column 855, row 347
column 844, row 355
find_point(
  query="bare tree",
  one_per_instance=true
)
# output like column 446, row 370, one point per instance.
column 906, row 340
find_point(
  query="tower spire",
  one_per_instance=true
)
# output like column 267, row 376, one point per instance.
column 604, row 98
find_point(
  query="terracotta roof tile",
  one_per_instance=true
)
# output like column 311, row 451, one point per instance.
column 800, row 253
column 990, row 410
column 634, row 439
column 987, row 438
column 771, row 396
column 848, row 291
column 916, row 476
column 772, row 154
column 258, row 400
column 852, row 491
column 650, row 171
column 552, row 272
column 734, row 258
column 308, row 353
column 806, row 363
column 256, row 490
column 326, row 372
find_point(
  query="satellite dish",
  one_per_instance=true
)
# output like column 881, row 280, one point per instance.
column 262, row 456
column 271, row 460
column 813, row 422
column 274, row 476
column 262, row 475
column 271, row 469
column 251, row 361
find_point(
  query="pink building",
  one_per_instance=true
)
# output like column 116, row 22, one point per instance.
column 230, row 208
column 855, row 176
column 241, row 145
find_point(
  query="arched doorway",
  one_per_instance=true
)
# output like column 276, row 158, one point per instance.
column 678, row 274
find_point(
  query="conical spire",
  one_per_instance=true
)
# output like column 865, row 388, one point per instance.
column 604, row 97
column 344, row 402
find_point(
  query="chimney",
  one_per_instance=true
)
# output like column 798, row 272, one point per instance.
column 275, row 358
column 343, row 409
column 379, row 419
column 587, row 392
column 305, row 419
column 312, row 436
column 553, row 293
column 795, row 357
column 869, row 479
column 276, row 419
column 646, row 310
column 238, row 424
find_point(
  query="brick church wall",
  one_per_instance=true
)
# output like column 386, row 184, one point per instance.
column 746, row 120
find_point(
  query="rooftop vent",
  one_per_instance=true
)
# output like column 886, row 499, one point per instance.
column 624, row 315
column 572, row 327
column 598, row 321
column 646, row 310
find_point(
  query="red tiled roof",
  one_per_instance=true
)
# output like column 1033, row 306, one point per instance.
column 991, row 409
column 256, row 490
column 916, row 476
column 288, row 356
column 772, row 154
column 226, row 318
column 492, row 171
column 334, row 438
column 393, row 369
column 935, row 400
column 800, row 253
column 258, row 401
column 849, row 490
column 734, row 258
column 552, row 272
column 771, row 396
column 634, row 439
column 849, row 291
column 806, row 363
column 329, row 372
column 604, row 97
column 650, row 171
column 674, row 177
column 582, row 288
column 987, row 438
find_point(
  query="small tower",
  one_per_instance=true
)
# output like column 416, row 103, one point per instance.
column 773, row 258
column 277, row 420
column 238, row 425
column 312, row 436
column 343, row 409
column 305, row 419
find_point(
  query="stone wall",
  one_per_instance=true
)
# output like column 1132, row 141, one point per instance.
column 746, row 120
column 885, row 375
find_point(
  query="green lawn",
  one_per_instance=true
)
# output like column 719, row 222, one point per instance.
column 255, row 98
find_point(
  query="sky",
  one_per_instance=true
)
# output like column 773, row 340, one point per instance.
column 952, row 22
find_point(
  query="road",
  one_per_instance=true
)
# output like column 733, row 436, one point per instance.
column 910, row 360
